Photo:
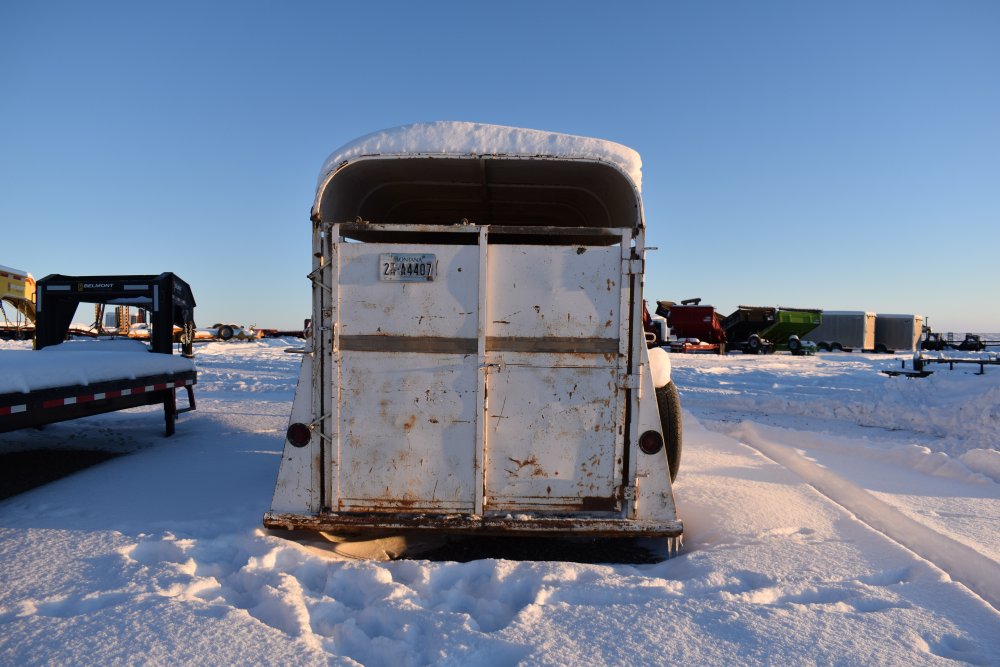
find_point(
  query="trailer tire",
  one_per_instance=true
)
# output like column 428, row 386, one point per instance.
column 836, row 347
column 823, row 346
column 880, row 348
column 669, row 403
column 226, row 332
column 753, row 344
column 794, row 344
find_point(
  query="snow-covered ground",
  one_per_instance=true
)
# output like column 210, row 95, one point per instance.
column 833, row 515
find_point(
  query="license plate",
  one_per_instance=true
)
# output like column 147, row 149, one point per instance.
column 407, row 268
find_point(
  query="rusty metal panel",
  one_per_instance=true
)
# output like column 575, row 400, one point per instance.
column 446, row 307
column 501, row 523
column 553, row 437
column 408, row 381
column 554, row 291
column 522, row 523
column 407, row 432
column 484, row 390
column 553, row 424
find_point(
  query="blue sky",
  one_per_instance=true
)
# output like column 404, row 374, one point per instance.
column 839, row 155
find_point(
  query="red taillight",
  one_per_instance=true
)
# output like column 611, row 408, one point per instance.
column 298, row 434
column 650, row 442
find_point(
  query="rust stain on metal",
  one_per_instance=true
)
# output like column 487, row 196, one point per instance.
column 388, row 502
column 533, row 525
column 597, row 504
column 408, row 424
column 537, row 470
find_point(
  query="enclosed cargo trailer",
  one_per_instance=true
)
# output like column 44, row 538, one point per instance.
column 478, row 361
column 897, row 332
column 844, row 330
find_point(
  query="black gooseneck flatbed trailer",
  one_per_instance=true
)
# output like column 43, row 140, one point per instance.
column 170, row 302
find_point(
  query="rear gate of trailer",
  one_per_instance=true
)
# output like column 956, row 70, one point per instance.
column 474, row 372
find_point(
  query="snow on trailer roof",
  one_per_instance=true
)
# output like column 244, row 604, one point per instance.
column 444, row 172
column 464, row 139
column 91, row 361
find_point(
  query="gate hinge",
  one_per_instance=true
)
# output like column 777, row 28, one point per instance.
column 632, row 267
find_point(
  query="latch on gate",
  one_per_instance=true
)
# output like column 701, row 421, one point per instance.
column 631, row 267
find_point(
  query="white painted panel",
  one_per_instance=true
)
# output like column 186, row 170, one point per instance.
column 407, row 431
column 408, row 437
column 552, row 429
column 444, row 307
column 552, row 434
column 553, row 291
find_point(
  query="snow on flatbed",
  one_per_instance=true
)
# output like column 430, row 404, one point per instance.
column 82, row 362
column 158, row 557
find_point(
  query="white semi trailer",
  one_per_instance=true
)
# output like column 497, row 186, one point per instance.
column 478, row 363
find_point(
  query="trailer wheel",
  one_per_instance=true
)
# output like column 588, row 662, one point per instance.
column 823, row 346
column 225, row 332
column 880, row 348
column 836, row 347
column 794, row 344
column 753, row 344
column 669, row 403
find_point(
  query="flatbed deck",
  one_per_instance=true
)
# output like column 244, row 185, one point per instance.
column 83, row 378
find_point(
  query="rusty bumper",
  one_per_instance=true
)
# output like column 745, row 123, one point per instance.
column 499, row 524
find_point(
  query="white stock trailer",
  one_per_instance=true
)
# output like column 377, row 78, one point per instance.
column 478, row 362
column 844, row 330
column 896, row 332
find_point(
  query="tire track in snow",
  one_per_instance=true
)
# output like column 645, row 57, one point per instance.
column 962, row 563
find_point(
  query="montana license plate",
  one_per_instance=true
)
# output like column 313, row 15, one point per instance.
column 407, row 268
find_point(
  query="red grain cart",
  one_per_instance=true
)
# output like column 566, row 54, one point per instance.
column 697, row 328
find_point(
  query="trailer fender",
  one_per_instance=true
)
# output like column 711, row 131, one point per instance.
column 659, row 366
column 297, row 489
column 654, row 500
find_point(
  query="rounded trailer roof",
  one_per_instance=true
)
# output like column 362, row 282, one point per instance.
column 447, row 172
